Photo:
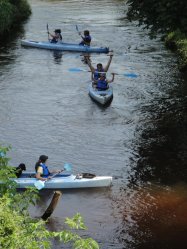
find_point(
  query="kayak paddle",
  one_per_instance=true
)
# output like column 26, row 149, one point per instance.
column 129, row 75
column 47, row 31
column 41, row 184
column 77, row 29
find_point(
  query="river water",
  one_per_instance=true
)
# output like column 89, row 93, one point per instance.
column 139, row 139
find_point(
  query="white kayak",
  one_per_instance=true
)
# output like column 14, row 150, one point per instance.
column 101, row 96
column 64, row 46
column 65, row 181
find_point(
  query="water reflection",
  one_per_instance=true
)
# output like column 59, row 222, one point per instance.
column 154, row 217
column 57, row 56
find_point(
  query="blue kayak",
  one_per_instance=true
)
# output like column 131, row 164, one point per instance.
column 64, row 46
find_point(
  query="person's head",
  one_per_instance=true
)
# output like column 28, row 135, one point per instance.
column 99, row 67
column 43, row 158
column 86, row 32
column 57, row 31
column 22, row 166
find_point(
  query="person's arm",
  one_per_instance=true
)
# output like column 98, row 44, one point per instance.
column 89, row 63
column 92, row 78
column 39, row 173
column 110, row 81
column 39, row 177
column 108, row 64
column 51, row 34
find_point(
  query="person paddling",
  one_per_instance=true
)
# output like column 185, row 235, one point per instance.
column 42, row 171
column 86, row 39
column 100, row 68
column 56, row 37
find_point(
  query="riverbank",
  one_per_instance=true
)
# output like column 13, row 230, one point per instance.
column 12, row 13
column 177, row 42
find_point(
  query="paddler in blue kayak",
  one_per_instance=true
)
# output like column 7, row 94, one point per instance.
column 42, row 171
column 100, row 69
column 56, row 37
column 86, row 39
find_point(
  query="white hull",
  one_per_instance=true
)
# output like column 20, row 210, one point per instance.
column 102, row 97
column 67, row 182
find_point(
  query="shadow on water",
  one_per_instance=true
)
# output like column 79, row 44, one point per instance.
column 153, row 206
column 161, row 149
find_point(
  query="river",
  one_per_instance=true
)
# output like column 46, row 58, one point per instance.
column 139, row 139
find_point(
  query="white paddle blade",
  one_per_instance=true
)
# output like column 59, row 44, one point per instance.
column 67, row 166
column 39, row 184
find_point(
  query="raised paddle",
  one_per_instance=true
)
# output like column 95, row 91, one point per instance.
column 47, row 31
column 129, row 75
column 77, row 29
column 41, row 184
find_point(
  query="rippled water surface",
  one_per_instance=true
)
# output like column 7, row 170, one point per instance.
column 139, row 139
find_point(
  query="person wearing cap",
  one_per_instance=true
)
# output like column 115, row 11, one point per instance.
column 56, row 37
column 42, row 171
column 102, row 83
column 100, row 68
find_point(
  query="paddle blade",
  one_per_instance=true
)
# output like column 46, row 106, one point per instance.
column 131, row 75
column 77, row 28
column 67, row 166
column 39, row 184
column 75, row 70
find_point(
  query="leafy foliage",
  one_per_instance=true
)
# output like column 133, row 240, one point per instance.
column 161, row 16
column 12, row 11
column 18, row 230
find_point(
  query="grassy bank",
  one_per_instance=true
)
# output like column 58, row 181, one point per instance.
column 177, row 41
column 12, row 12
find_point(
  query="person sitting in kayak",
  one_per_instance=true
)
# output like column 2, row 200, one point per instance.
column 86, row 39
column 102, row 83
column 56, row 37
column 42, row 171
column 97, row 71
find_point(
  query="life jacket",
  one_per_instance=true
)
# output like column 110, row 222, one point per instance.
column 57, row 39
column 102, row 85
column 87, row 39
column 46, row 172
column 97, row 74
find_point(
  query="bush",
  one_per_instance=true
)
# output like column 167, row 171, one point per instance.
column 12, row 12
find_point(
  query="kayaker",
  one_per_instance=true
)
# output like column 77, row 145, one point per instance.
column 56, row 37
column 86, row 39
column 42, row 171
column 100, row 68
column 102, row 83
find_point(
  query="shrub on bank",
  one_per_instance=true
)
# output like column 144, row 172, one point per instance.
column 12, row 12
column 177, row 41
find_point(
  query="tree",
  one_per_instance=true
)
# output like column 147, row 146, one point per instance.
column 161, row 16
